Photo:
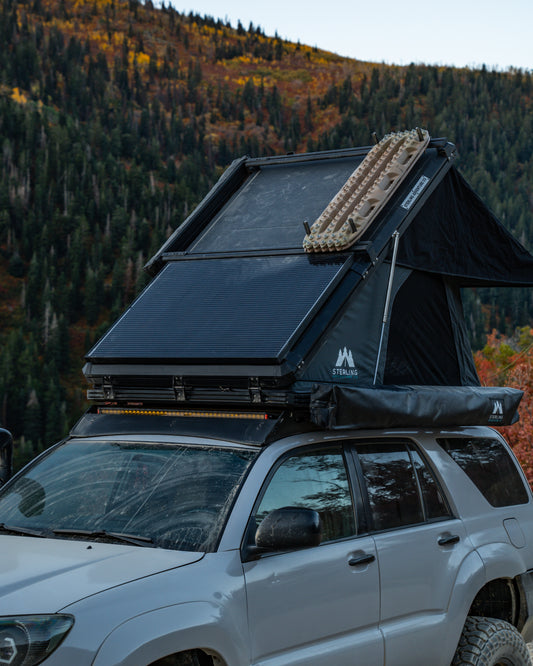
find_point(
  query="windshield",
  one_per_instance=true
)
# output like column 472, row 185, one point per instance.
column 174, row 496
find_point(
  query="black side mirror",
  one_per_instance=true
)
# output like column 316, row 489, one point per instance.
column 6, row 455
column 289, row 528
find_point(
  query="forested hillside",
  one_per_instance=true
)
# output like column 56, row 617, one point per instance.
column 117, row 117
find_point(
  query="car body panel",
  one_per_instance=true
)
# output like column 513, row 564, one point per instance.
column 315, row 604
column 41, row 575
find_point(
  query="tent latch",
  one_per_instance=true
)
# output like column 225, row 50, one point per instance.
column 107, row 388
column 255, row 390
column 179, row 389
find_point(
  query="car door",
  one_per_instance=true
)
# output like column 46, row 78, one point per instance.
column 420, row 547
column 318, row 605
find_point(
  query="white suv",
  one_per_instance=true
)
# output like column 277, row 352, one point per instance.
column 363, row 547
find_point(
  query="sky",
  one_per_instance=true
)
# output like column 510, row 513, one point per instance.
column 460, row 33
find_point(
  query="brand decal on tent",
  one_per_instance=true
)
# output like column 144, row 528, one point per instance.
column 497, row 412
column 345, row 366
column 415, row 192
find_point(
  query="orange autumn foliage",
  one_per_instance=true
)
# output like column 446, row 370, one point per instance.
column 509, row 362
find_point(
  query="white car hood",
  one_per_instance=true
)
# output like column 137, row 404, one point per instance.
column 44, row 575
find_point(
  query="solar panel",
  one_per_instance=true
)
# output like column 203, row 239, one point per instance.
column 222, row 308
column 268, row 212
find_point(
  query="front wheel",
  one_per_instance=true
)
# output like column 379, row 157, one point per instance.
column 490, row 642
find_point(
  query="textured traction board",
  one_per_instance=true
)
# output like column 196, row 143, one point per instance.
column 366, row 191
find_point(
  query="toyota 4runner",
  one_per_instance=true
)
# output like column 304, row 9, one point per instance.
column 397, row 547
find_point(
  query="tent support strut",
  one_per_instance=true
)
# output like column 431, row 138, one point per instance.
column 395, row 239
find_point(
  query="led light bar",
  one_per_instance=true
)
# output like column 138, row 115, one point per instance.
column 366, row 191
column 122, row 411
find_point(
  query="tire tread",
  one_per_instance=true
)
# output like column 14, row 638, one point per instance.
column 485, row 641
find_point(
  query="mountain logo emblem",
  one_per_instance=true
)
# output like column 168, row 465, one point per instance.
column 497, row 412
column 345, row 365
column 497, row 408
column 345, row 359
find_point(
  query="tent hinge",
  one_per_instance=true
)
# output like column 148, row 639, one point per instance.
column 367, row 247
column 178, row 386
column 255, row 390
column 107, row 388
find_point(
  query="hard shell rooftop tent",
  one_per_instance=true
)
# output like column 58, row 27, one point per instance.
column 324, row 281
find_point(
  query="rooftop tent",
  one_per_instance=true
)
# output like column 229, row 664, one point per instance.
column 239, row 312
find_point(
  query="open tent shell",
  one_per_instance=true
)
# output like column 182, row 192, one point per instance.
column 238, row 313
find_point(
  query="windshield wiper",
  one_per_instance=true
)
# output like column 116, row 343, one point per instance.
column 135, row 539
column 24, row 531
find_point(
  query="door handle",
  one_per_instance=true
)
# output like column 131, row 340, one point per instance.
column 448, row 539
column 365, row 558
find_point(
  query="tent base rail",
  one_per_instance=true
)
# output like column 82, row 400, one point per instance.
column 187, row 394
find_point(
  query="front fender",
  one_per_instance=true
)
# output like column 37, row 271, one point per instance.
column 150, row 636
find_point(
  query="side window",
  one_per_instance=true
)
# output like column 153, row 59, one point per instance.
column 315, row 480
column 401, row 489
column 489, row 466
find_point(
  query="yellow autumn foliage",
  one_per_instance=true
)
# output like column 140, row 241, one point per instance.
column 142, row 59
column 19, row 96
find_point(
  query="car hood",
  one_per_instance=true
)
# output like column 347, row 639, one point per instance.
column 44, row 575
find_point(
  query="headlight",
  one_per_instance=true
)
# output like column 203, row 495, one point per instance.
column 26, row 640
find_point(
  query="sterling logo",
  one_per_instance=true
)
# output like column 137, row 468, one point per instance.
column 497, row 412
column 497, row 409
column 345, row 366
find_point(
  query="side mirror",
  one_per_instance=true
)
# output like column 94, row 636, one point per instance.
column 6, row 455
column 289, row 528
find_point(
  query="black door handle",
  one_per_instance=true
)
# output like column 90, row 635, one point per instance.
column 365, row 558
column 448, row 539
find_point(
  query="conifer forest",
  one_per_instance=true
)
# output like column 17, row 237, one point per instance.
column 116, row 118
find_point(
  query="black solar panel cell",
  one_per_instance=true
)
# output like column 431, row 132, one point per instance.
column 223, row 308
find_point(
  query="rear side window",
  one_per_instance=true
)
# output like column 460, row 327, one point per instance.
column 401, row 489
column 490, row 467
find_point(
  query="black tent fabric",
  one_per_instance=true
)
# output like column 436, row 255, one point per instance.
column 348, row 350
column 456, row 235
column 427, row 340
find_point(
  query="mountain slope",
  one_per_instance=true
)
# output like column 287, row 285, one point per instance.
column 117, row 117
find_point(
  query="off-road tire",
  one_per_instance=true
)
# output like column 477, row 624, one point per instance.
column 490, row 642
